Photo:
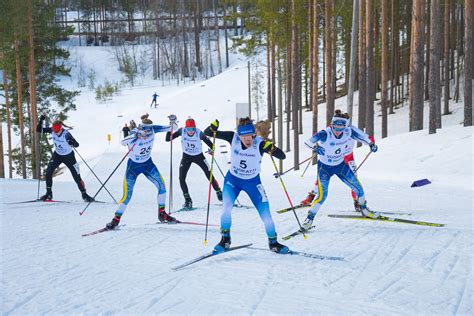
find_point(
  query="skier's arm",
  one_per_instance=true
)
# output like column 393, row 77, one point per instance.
column 176, row 134
column 360, row 136
column 269, row 148
column 130, row 139
column 206, row 140
column 70, row 140
column 227, row 136
column 319, row 136
column 161, row 128
column 40, row 128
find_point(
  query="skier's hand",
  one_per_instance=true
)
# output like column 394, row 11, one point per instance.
column 269, row 147
column 319, row 150
column 141, row 134
column 373, row 147
column 174, row 126
column 172, row 118
column 214, row 126
column 42, row 118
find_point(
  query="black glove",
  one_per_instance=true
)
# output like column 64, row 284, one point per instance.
column 373, row 147
column 172, row 118
column 268, row 146
column 42, row 117
column 214, row 126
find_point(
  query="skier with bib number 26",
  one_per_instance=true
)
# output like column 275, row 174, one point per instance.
column 330, row 144
column 247, row 150
column 142, row 139
column 191, row 144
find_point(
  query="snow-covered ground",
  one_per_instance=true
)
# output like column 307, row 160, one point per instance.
column 388, row 268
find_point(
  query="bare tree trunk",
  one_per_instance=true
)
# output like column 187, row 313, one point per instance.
column 385, row 67
column 289, row 79
column 197, row 31
column 468, row 62
column 416, row 71
column 446, row 58
column 216, row 29
column 434, row 75
column 273, row 82
column 369, row 114
column 36, row 159
column 269, row 82
column 280, row 108
column 225, row 36
column 352, row 76
column 315, row 68
column 330, row 89
column 362, row 67
column 310, row 50
column 295, row 90
column 9, row 125
column 427, row 51
column 20, row 112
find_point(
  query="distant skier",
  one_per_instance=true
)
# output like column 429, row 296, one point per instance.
column 191, row 145
column 331, row 144
column 154, row 102
column 133, row 125
column 142, row 139
column 125, row 130
column 247, row 150
column 349, row 160
column 63, row 153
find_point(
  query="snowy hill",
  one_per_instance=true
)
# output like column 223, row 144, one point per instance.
column 388, row 268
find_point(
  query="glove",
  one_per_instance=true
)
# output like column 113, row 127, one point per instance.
column 141, row 133
column 319, row 150
column 42, row 117
column 172, row 118
column 373, row 147
column 214, row 125
column 268, row 146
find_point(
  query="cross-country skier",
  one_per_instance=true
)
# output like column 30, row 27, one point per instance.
column 63, row 153
column 140, row 162
column 191, row 144
column 330, row 144
column 247, row 150
column 349, row 160
column 154, row 102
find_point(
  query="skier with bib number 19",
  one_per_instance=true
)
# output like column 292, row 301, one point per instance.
column 142, row 139
column 330, row 144
column 247, row 150
column 191, row 143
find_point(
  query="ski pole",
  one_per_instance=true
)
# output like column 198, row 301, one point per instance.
column 307, row 166
column 367, row 156
column 223, row 176
column 94, row 174
column 210, row 185
column 131, row 148
column 170, row 202
column 288, row 197
column 277, row 174
column 39, row 175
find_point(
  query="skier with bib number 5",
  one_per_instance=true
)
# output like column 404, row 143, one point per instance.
column 140, row 162
column 63, row 153
column 330, row 144
column 247, row 150
column 191, row 144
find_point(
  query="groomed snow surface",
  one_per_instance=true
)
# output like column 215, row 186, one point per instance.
column 47, row 268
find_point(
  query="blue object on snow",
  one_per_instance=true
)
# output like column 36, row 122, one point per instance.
column 419, row 183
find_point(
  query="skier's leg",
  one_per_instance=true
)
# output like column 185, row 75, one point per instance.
column 259, row 198
column 183, row 172
column 155, row 177
column 202, row 162
column 128, row 184
column 52, row 165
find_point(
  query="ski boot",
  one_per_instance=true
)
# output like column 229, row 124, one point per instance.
column 48, row 196
column 86, row 197
column 219, row 195
column 224, row 243
column 308, row 223
column 368, row 213
column 165, row 217
column 357, row 207
column 275, row 246
column 188, row 203
column 309, row 199
column 114, row 223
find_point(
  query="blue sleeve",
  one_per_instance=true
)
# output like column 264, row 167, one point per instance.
column 359, row 135
column 161, row 128
column 319, row 136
